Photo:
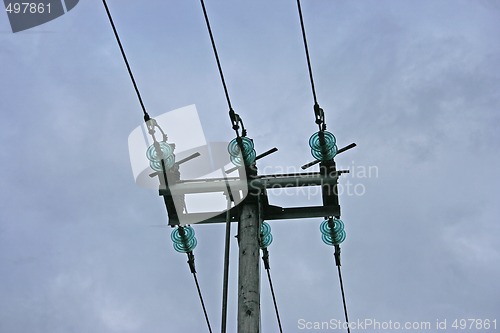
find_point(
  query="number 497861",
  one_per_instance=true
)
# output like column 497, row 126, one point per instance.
column 27, row 8
column 478, row 324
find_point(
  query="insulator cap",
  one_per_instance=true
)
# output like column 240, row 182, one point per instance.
column 236, row 154
column 266, row 238
column 184, row 243
column 323, row 145
column 332, row 233
column 158, row 151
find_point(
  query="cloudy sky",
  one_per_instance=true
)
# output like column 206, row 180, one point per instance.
column 416, row 84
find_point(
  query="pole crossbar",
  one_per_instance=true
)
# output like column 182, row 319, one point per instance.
column 263, row 182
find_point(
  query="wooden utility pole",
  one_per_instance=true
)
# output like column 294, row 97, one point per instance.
column 249, row 269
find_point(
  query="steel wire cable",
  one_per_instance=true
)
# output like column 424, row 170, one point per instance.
column 202, row 303
column 212, row 40
column 274, row 300
column 307, row 52
column 146, row 115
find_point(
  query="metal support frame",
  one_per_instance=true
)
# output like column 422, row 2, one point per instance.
column 327, row 178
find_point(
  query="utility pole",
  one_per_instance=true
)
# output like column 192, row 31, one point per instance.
column 249, row 269
column 250, row 219
column 250, row 214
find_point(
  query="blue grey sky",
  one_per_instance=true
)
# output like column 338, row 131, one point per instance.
column 416, row 84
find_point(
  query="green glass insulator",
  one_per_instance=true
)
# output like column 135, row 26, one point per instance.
column 184, row 243
column 316, row 144
column 185, row 247
column 266, row 238
column 266, row 241
column 323, row 145
column 177, row 237
column 324, row 155
column 265, row 228
column 234, row 149
column 153, row 155
column 248, row 159
column 338, row 226
column 338, row 238
column 249, row 154
column 236, row 160
column 169, row 163
column 332, row 234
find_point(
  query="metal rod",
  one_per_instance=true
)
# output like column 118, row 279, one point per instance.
column 264, row 154
column 226, row 265
column 189, row 158
column 274, row 213
column 310, row 164
column 341, row 150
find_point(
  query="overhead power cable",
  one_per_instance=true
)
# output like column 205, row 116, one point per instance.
column 185, row 241
column 265, row 258
column 318, row 112
column 212, row 40
column 265, row 239
column 333, row 234
column 307, row 52
column 202, row 303
column 337, row 262
column 236, row 120
column 146, row 115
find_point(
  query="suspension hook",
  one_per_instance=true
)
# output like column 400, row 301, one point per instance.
column 151, row 125
column 320, row 117
column 236, row 121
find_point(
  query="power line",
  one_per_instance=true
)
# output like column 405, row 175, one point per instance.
column 337, row 263
column 146, row 115
column 236, row 120
column 216, row 54
column 307, row 52
column 343, row 298
column 184, row 242
column 265, row 258
column 202, row 303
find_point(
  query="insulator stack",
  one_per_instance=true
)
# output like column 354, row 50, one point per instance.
column 266, row 238
column 323, row 145
column 332, row 231
column 160, row 151
column 183, row 239
column 242, row 156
